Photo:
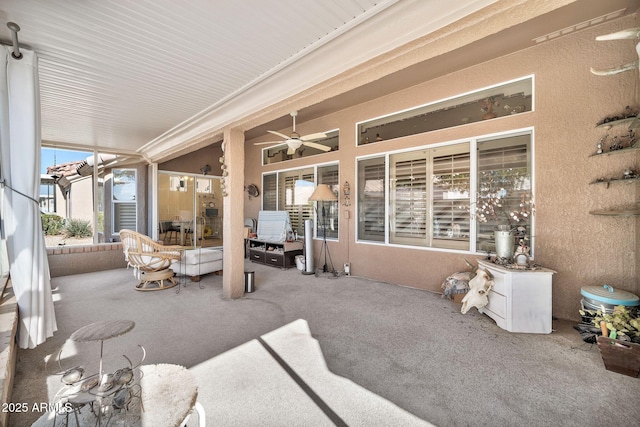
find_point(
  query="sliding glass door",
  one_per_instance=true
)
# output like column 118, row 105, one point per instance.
column 189, row 209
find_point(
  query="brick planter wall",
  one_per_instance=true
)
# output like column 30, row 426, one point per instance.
column 68, row 260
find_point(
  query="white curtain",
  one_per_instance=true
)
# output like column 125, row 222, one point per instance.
column 20, row 171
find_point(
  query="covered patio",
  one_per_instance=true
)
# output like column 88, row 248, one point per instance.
column 391, row 353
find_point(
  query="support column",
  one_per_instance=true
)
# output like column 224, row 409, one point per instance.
column 233, row 219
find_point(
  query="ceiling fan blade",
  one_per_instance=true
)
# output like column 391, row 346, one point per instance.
column 281, row 135
column 315, row 145
column 270, row 142
column 313, row 136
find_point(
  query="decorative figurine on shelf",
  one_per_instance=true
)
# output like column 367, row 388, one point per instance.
column 487, row 106
column 632, row 136
column 600, row 144
column 521, row 256
column 515, row 110
column 615, row 144
column 629, row 174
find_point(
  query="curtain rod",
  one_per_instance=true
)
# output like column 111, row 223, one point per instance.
column 14, row 37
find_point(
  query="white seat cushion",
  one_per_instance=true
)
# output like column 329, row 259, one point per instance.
column 200, row 256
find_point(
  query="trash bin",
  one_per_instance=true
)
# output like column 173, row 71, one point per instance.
column 300, row 262
column 249, row 281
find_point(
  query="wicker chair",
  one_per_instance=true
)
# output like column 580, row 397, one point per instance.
column 150, row 260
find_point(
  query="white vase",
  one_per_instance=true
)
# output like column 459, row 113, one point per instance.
column 505, row 243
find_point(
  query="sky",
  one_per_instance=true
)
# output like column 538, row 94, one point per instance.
column 56, row 156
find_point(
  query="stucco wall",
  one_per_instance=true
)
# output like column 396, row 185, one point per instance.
column 569, row 100
column 193, row 162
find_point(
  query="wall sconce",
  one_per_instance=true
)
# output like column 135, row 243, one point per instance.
column 346, row 191
column 84, row 169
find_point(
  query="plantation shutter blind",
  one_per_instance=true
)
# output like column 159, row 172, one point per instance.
column 450, row 198
column 371, row 221
column 409, row 194
column 270, row 192
column 503, row 158
column 289, row 201
column 124, row 215
column 299, row 210
column 306, row 210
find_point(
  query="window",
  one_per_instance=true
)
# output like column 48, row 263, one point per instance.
column 203, row 185
column 295, row 187
column 329, row 175
column 430, row 193
column 450, row 184
column 290, row 190
column 408, row 174
column 504, row 174
column 429, row 197
column 505, row 99
column 178, row 183
column 124, row 199
column 371, row 201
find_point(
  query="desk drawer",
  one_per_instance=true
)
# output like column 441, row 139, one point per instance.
column 497, row 304
column 255, row 255
column 499, row 281
column 276, row 259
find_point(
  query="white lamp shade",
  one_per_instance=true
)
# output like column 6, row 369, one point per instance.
column 323, row 193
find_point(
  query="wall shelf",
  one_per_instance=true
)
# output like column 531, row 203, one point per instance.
column 606, row 153
column 613, row 123
column 615, row 180
column 617, row 212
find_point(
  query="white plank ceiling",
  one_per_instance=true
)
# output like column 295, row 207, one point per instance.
column 117, row 74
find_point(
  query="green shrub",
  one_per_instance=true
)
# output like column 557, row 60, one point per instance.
column 78, row 228
column 100, row 221
column 52, row 224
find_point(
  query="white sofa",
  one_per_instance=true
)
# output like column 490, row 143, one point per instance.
column 197, row 262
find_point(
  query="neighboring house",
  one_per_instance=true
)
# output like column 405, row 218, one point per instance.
column 67, row 192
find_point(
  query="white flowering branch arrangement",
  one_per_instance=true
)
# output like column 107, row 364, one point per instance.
column 493, row 207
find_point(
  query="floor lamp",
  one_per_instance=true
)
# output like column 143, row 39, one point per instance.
column 323, row 193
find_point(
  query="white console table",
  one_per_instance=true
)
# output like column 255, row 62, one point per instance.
column 520, row 300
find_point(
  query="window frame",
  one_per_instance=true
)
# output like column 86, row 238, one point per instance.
column 266, row 193
column 333, row 208
column 409, row 119
column 473, row 184
column 115, row 202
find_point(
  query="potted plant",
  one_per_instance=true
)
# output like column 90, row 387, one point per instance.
column 620, row 323
column 618, row 344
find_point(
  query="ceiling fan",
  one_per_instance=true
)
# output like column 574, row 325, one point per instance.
column 295, row 141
